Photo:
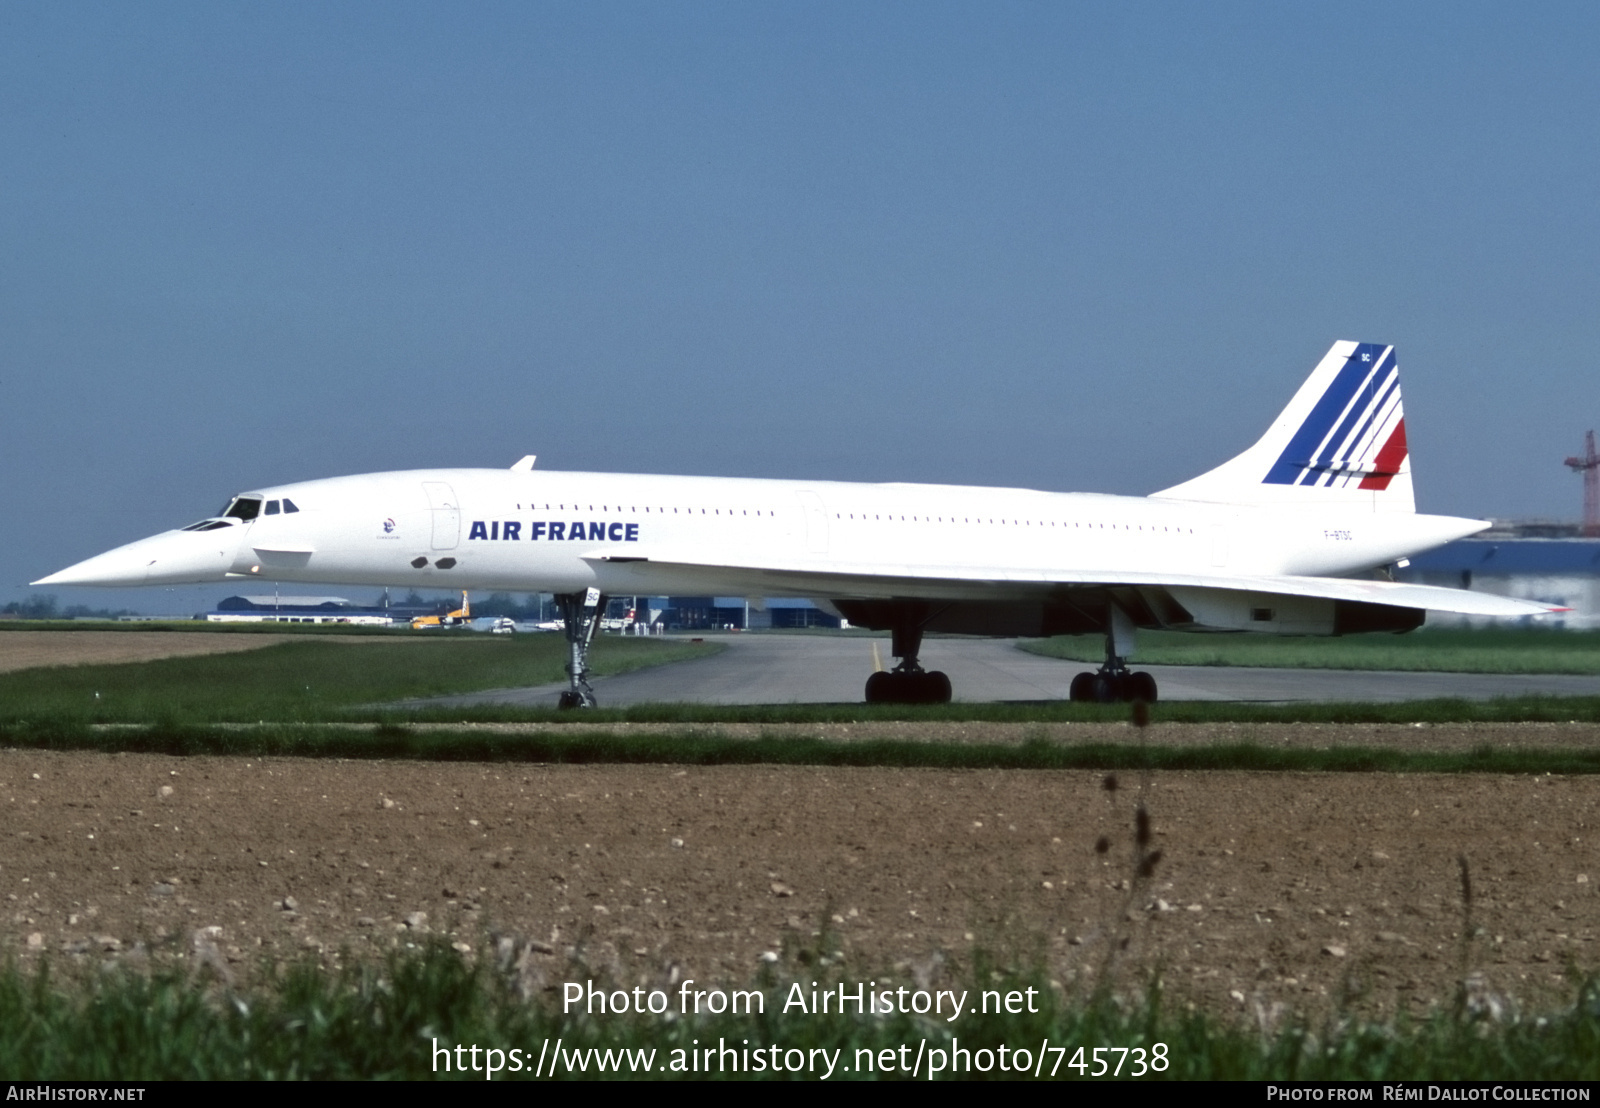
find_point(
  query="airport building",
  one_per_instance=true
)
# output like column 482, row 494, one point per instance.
column 303, row 609
column 1512, row 561
column 734, row 613
column 666, row 613
column 1562, row 571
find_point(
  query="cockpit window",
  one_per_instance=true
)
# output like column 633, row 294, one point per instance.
column 288, row 505
column 244, row 507
column 272, row 507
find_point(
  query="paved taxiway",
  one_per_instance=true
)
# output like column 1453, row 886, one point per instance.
column 805, row 669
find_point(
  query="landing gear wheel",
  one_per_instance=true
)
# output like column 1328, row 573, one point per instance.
column 1107, row 688
column 1141, row 686
column 899, row 687
column 1082, row 688
column 879, row 687
column 1113, row 688
column 568, row 701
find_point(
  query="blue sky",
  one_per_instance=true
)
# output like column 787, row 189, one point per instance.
column 1075, row 247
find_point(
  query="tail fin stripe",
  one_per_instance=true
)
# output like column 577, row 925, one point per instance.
column 1380, row 412
column 1349, row 396
column 1387, row 466
column 1290, row 466
column 1334, row 452
column 1355, row 441
column 1360, row 445
column 1380, row 431
column 1332, row 460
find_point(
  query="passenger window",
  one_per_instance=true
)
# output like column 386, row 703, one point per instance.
column 272, row 507
column 245, row 508
column 288, row 505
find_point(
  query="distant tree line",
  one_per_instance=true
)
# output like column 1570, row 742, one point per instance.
column 503, row 604
column 46, row 607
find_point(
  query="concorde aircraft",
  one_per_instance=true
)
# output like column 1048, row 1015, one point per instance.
column 1298, row 535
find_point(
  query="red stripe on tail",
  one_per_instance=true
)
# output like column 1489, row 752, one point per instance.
column 1387, row 464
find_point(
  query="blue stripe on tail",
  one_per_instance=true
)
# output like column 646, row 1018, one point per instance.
column 1370, row 412
column 1295, row 461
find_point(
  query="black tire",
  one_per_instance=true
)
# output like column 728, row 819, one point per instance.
column 1106, row 689
column 1082, row 688
column 880, row 688
column 1141, row 686
column 908, row 688
column 568, row 701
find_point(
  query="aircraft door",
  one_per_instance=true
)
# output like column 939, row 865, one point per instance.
column 1219, row 546
column 816, row 522
column 446, row 514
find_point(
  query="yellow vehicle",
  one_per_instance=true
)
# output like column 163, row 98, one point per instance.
column 458, row 618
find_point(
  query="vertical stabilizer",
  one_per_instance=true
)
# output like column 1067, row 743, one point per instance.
column 1341, row 441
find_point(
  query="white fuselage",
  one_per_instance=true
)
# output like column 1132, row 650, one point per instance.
column 1281, row 539
column 518, row 531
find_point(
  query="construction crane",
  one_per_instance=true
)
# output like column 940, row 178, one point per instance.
column 1589, row 466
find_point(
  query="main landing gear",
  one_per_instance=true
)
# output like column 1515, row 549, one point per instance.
column 581, row 629
column 1110, row 685
column 903, row 686
column 1114, row 682
column 908, row 682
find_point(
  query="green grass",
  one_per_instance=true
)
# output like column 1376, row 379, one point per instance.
column 316, row 679
column 385, row 1020
column 311, row 679
column 322, row 676
column 585, row 745
column 1531, row 650
column 304, row 694
column 1519, row 709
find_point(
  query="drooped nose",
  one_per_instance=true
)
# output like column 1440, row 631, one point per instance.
column 170, row 558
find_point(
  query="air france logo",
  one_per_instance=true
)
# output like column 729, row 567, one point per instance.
column 577, row 530
column 388, row 526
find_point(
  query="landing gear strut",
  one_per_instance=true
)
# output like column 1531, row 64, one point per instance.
column 1113, row 681
column 908, row 682
column 580, row 630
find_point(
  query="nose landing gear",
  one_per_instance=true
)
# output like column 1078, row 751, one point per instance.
column 580, row 631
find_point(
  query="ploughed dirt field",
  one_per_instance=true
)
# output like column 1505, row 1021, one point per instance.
column 33, row 649
column 1272, row 889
